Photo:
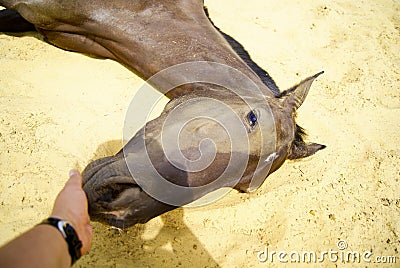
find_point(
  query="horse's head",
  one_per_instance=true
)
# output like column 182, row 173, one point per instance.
column 214, row 137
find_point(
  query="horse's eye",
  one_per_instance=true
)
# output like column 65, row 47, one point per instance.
column 251, row 116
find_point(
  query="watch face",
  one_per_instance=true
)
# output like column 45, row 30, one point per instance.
column 61, row 227
column 68, row 228
column 72, row 238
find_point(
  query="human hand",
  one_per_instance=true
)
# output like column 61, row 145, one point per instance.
column 71, row 205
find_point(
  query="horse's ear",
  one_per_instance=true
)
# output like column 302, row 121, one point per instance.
column 295, row 96
column 299, row 148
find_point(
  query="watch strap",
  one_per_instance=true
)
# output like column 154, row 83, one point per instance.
column 70, row 236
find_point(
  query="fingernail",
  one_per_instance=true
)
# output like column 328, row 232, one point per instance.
column 73, row 172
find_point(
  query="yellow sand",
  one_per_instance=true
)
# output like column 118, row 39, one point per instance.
column 59, row 110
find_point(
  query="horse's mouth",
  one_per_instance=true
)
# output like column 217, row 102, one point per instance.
column 116, row 213
column 113, row 218
column 106, row 182
column 115, row 198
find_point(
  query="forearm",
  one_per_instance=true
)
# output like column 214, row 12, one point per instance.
column 41, row 246
column 44, row 245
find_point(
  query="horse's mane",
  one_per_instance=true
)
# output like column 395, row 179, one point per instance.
column 245, row 56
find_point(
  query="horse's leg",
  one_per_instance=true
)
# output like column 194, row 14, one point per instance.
column 11, row 21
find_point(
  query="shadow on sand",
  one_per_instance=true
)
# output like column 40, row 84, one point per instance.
column 164, row 241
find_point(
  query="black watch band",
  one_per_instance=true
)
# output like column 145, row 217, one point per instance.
column 70, row 236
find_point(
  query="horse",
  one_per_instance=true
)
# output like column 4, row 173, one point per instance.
column 227, row 124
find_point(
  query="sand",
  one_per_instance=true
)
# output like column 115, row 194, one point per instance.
column 59, row 110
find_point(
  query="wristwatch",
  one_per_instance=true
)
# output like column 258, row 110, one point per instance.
column 70, row 236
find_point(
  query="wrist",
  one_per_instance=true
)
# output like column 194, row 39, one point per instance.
column 69, row 234
column 77, row 226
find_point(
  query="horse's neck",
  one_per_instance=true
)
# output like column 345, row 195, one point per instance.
column 163, row 35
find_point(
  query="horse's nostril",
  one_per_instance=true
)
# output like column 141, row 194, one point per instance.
column 111, row 192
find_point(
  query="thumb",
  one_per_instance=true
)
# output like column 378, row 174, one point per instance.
column 75, row 179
